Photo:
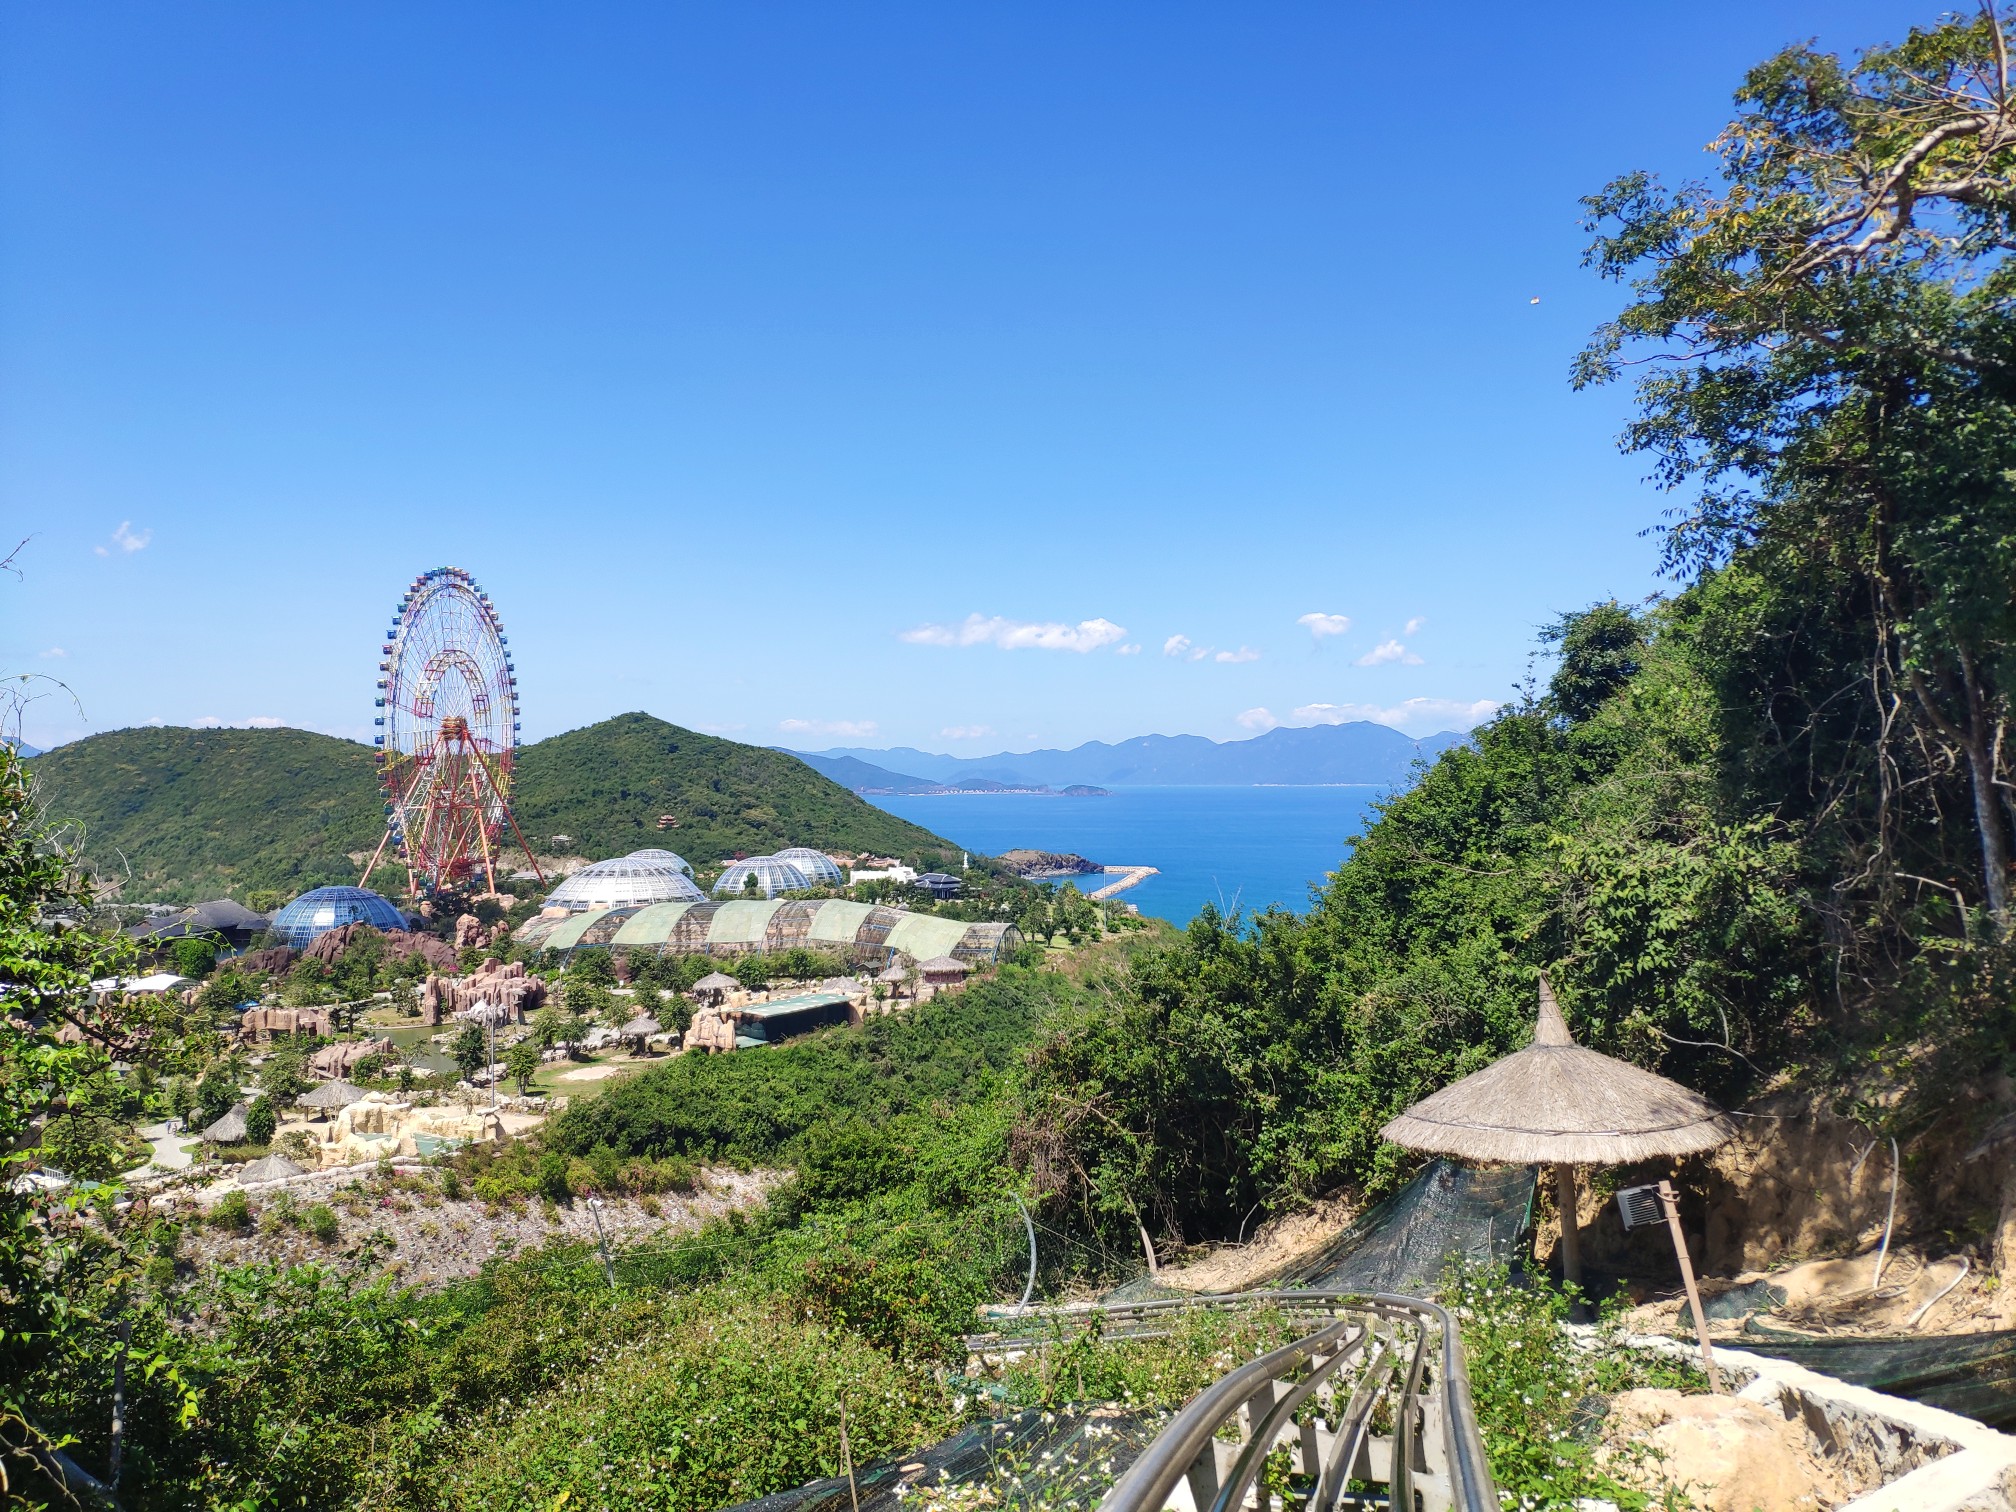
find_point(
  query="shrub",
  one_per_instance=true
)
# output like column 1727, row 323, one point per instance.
column 451, row 1185
column 739, row 1401
column 321, row 1221
column 1528, row 1379
column 260, row 1122
column 233, row 1211
column 553, row 1183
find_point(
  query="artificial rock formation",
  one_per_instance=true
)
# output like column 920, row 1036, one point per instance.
column 379, row 1126
column 399, row 944
column 332, row 1061
column 441, row 997
column 274, row 960
column 471, row 933
column 270, row 1021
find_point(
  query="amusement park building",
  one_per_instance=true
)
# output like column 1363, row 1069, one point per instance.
column 772, row 875
column 653, row 876
column 821, row 869
column 325, row 908
column 864, row 933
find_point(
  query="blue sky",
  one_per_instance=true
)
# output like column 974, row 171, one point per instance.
column 968, row 377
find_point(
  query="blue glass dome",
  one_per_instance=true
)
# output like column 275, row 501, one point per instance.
column 326, row 908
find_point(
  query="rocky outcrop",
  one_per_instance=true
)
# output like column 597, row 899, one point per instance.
column 332, row 1061
column 399, row 944
column 442, row 997
column 379, row 1126
column 273, row 960
column 471, row 933
column 269, row 1021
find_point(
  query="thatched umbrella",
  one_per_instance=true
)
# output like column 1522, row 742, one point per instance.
column 268, row 1168
column 1557, row 1103
column 641, row 1028
column 715, row 985
column 230, row 1129
column 330, row 1096
column 895, row 978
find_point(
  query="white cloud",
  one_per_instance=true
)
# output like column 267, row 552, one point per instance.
column 127, row 539
column 1132, row 648
column 53, row 653
column 1176, row 645
column 1018, row 635
column 1421, row 716
column 966, row 732
column 1258, row 719
column 256, row 722
column 1321, row 625
column 1413, row 626
column 1389, row 651
column 855, row 728
column 1243, row 654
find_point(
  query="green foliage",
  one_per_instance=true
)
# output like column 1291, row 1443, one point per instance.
column 1530, row 1382
column 734, row 1404
column 232, row 1211
column 754, row 1106
column 204, row 813
column 194, row 956
column 322, row 1223
column 261, row 1120
column 469, row 1051
column 215, row 1094
column 521, row 1063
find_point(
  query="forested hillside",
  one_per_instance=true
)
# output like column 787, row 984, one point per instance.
column 1761, row 827
column 181, row 814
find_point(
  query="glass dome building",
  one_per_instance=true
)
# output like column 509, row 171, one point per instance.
column 655, row 854
column 773, row 875
column 626, row 881
column 821, row 868
column 325, row 908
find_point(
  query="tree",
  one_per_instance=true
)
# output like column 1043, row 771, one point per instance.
column 1827, row 343
column 521, row 1063
column 195, row 956
column 261, row 1122
column 1601, row 648
column 468, row 1051
column 215, row 1094
column 548, row 1027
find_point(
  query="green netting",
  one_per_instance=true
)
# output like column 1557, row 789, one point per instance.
column 1403, row 1244
column 1052, row 1459
column 1971, row 1374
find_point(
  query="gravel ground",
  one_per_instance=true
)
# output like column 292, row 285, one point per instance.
column 434, row 1239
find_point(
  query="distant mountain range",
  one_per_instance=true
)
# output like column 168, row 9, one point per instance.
column 1324, row 755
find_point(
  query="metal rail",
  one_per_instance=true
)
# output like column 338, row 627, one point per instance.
column 1355, row 1401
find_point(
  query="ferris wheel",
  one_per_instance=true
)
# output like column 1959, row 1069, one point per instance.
column 448, row 715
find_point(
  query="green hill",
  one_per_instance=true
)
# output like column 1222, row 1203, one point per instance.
column 187, row 814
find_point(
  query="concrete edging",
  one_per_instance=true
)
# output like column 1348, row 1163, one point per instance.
column 1978, row 1474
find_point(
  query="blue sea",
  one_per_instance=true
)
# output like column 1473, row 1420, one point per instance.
column 1233, row 846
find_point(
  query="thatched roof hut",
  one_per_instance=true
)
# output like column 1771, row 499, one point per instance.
column 642, row 1027
column 230, row 1129
column 330, row 1096
column 716, row 981
column 895, row 974
column 269, row 1168
column 1557, row 1103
